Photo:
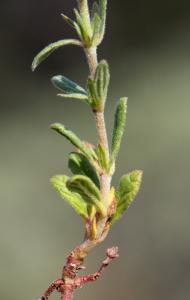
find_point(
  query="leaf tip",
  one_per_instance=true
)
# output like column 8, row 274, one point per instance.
column 53, row 179
column 124, row 100
column 55, row 78
column 53, row 125
column 137, row 175
column 33, row 66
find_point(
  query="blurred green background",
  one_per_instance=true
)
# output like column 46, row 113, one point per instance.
column 148, row 47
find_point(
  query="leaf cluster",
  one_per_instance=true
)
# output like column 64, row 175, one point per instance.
column 90, row 29
column 87, row 163
column 82, row 190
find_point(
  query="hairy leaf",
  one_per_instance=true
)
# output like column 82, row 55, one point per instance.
column 42, row 55
column 125, row 194
column 95, row 10
column 96, row 30
column 85, row 15
column 73, row 138
column 102, row 157
column 66, row 85
column 93, row 99
column 80, row 165
column 83, row 30
column 91, row 149
column 101, row 81
column 78, row 30
column 98, row 88
column 119, row 126
column 88, row 190
column 103, row 10
column 71, row 197
column 68, row 20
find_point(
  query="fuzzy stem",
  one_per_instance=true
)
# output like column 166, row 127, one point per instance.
column 105, row 179
column 92, row 60
column 80, row 252
column 101, row 131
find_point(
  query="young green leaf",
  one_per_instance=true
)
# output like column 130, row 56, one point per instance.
column 98, row 17
column 103, row 11
column 68, row 20
column 78, row 30
column 101, row 81
column 42, row 55
column 66, row 85
column 93, row 99
column 88, row 191
column 85, row 16
column 95, row 10
column 73, row 198
column 80, row 165
column 81, row 28
column 96, row 24
column 97, row 89
column 73, row 138
column 125, row 194
column 119, row 126
column 102, row 158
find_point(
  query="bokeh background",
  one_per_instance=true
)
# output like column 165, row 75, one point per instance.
column 148, row 47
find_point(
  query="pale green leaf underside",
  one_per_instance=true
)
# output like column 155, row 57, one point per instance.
column 73, row 198
column 125, row 194
column 74, row 96
column 43, row 54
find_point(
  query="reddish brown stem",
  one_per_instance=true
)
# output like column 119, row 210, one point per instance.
column 54, row 286
column 67, row 286
column 67, row 292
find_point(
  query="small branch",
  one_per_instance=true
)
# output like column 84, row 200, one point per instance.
column 111, row 253
column 70, row 280
column 54, row 286
column 67, row 285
